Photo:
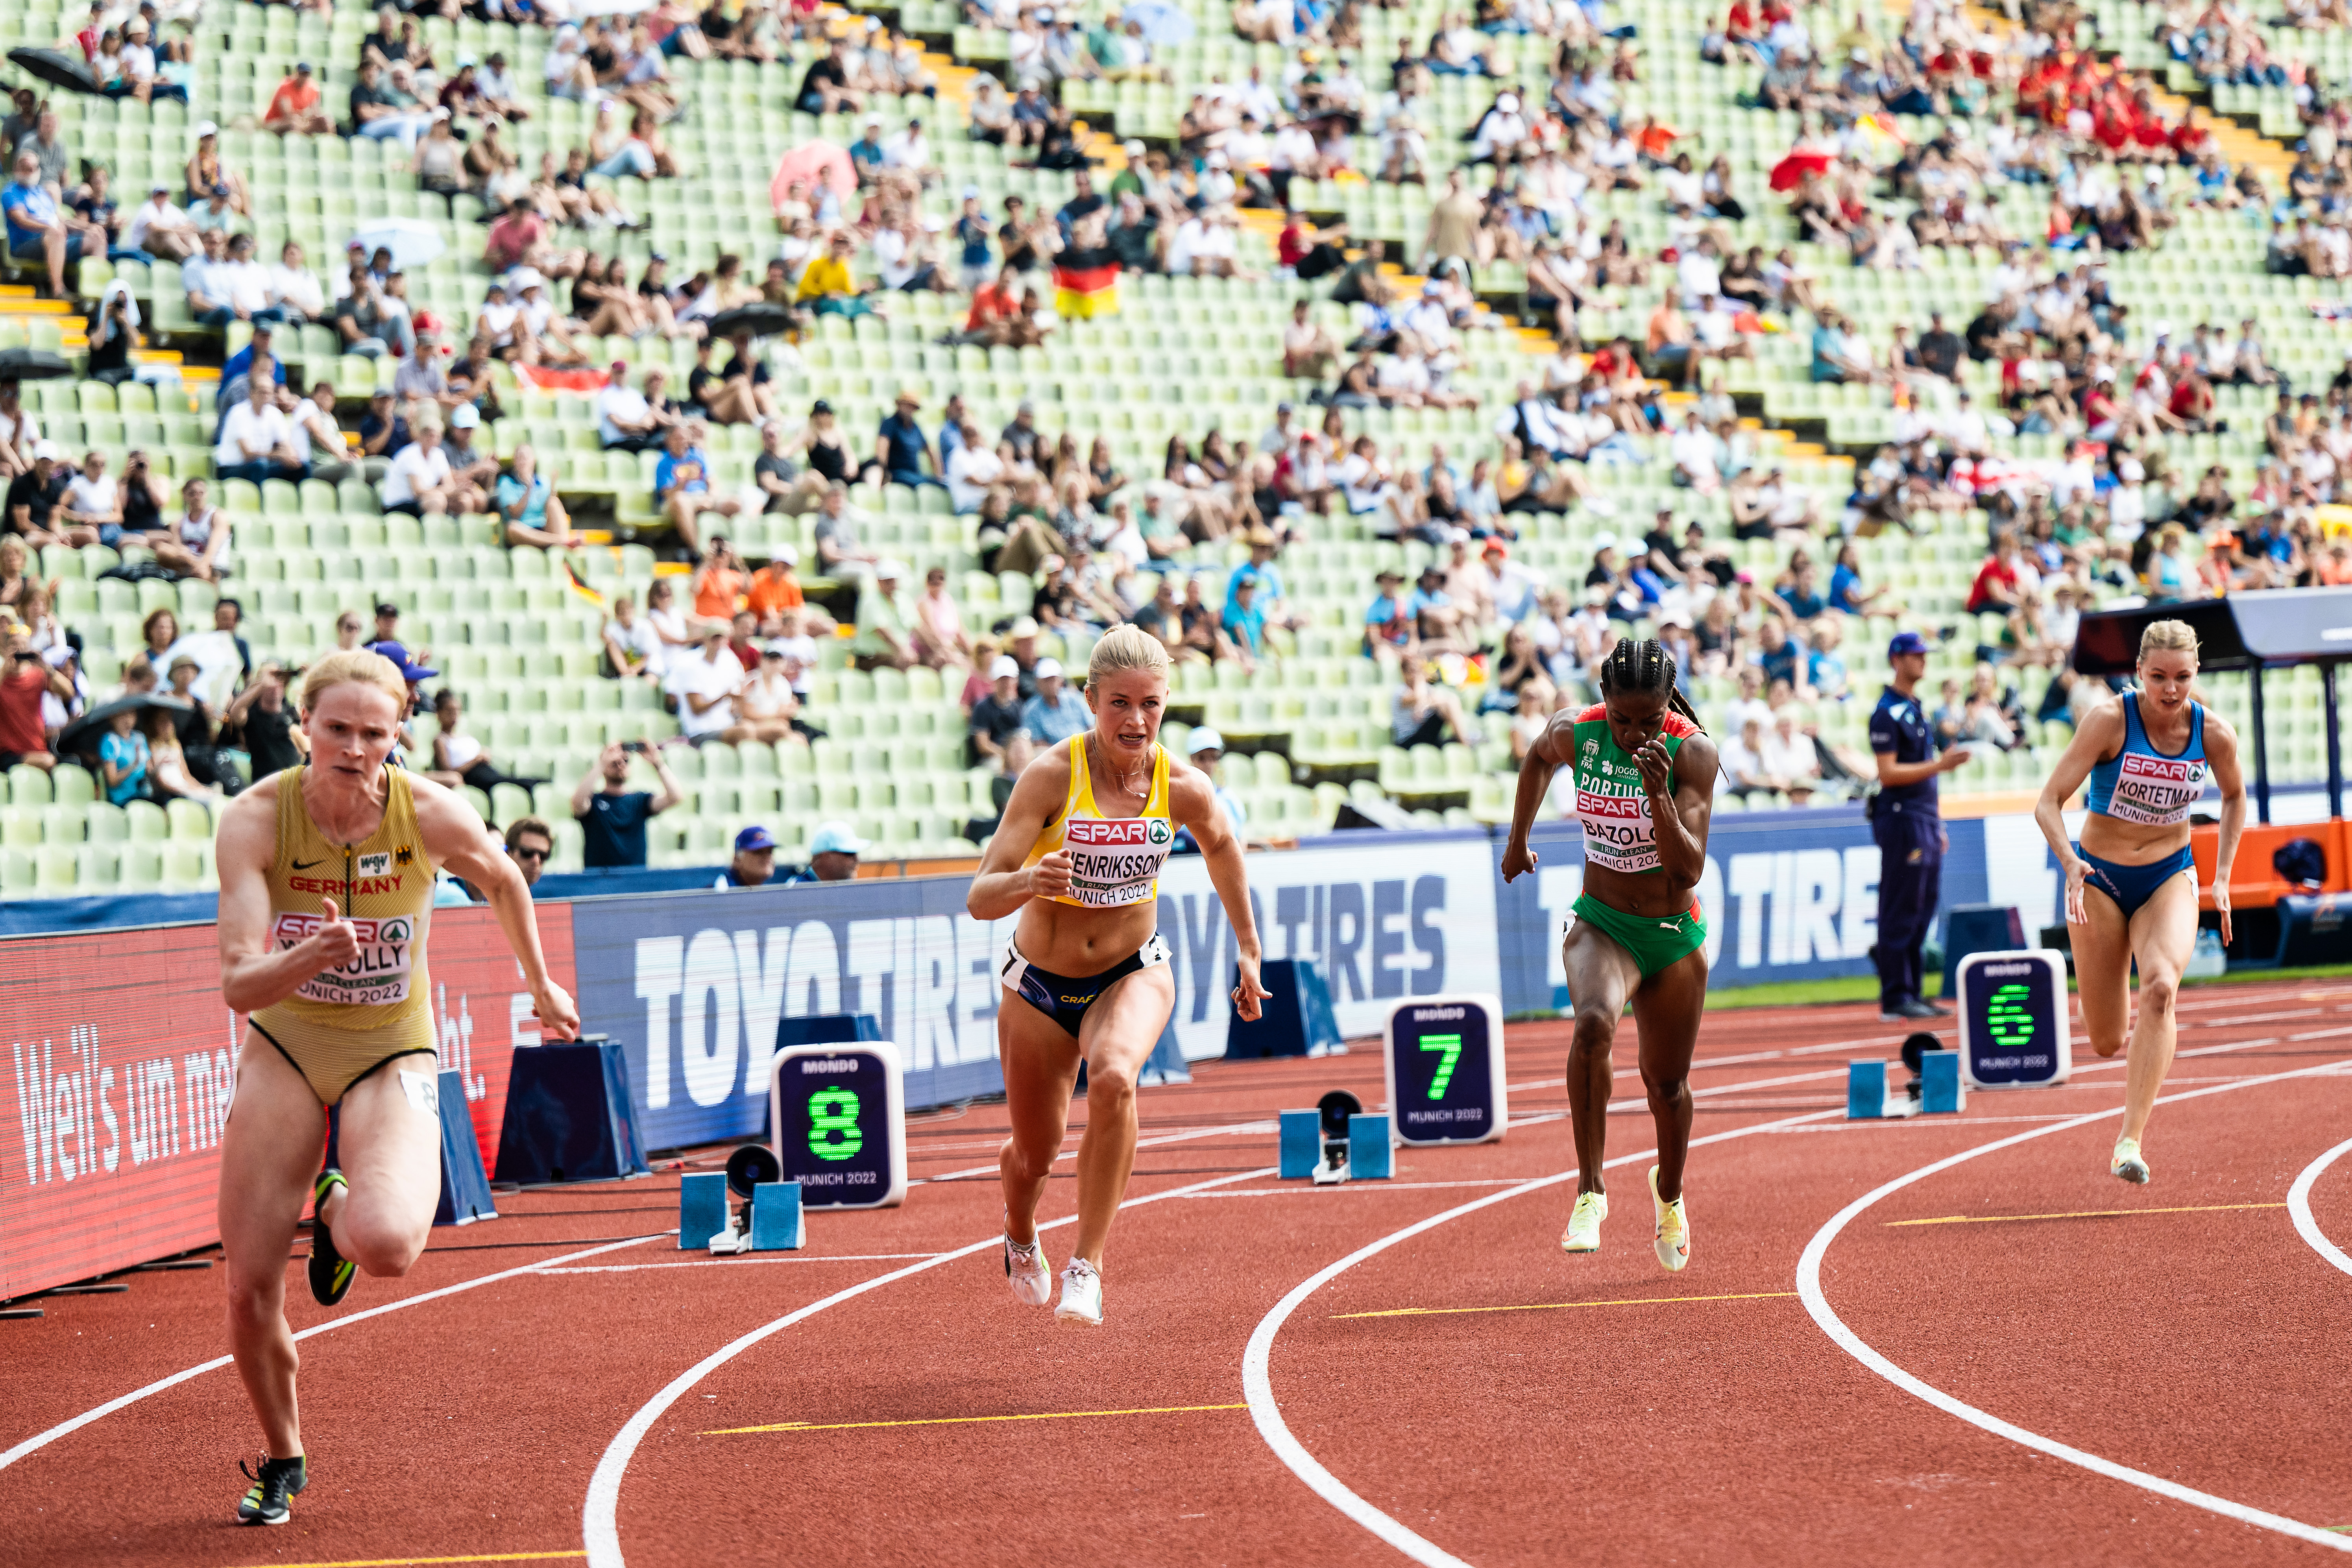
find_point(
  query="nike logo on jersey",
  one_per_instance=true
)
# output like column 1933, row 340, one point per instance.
column 306, row 865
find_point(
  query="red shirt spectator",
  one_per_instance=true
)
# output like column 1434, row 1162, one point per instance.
column 990, row 303
column 1996, row 573
column 21, row 689
column 513, row 237
column 296, row 97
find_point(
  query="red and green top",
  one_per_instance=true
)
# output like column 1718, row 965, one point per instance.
column 1610, row 798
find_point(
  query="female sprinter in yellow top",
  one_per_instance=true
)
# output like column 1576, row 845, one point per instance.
column 326, row 892
column 1085, row 976
column 2131, row 886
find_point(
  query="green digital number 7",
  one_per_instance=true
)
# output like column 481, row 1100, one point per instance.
column 1452, row 1046
column 833, row 1124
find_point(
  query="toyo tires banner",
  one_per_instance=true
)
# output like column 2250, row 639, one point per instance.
column 121, row 1063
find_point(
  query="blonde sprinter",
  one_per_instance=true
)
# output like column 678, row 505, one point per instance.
column 2131, row 886
column 326, row 896
column 1085, row 976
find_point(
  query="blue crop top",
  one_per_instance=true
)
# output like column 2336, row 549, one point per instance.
column 2142, row 785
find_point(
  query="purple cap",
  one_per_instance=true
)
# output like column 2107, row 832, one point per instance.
column 410, row 671
column 754, row 838
column 1906, row 642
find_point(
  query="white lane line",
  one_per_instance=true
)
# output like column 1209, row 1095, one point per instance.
column 1257, row 1383
column 739, row 1262
column 1809, row 1287
column 32, row 1444
column 600, row 1519
column 2298, row 1203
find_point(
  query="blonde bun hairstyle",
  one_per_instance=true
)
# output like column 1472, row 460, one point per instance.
column 1126, row 648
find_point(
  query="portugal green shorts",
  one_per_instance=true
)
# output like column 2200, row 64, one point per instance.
column 1655, row 940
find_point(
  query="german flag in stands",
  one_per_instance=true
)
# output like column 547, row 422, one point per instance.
column 1086, row 282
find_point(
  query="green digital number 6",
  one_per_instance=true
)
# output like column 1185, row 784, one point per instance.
column 833, row 1124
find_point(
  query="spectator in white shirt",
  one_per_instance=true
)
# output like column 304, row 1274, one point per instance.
column 255, row 442
column 705, row 682
column 318, row 441
column 235, row 288
column 294, row 288
column 633, row 649
column 972, row 470
column 1791, row 759
column 161, row 230
column 625, row 422
column 419, row 482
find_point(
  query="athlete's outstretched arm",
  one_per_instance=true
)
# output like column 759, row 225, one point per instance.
column 1681, row 820
column 1004, row 884
column 252, row 976
column 1192, row 802
column 2100, row 736
column 1545, row 758
column 456, row 838
column 2222, row 756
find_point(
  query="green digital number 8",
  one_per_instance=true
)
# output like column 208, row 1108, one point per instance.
column 1452, row 1046
column 833, row 1124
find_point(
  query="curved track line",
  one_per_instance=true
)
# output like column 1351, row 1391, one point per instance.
column 1809, row 1287
column 1257, row 1383
column 64, row 1428
column 2298, row 1203
column 600, row 1518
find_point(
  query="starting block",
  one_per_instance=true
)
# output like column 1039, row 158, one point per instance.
column 1871, row 1096
column 701, row 1208
column 1334, row 1142
column 778, row 1223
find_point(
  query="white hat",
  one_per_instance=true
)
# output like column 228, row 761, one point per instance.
column 1048, row 668
column 786, row 553
column 465, row 417
column 835, row 838
column 1204, row 739
column 1005, row 664
column 781, row 648
column 1216, row 160
column 48, row 449
column 206, row 128
column 1601, row 542
column 889, row 571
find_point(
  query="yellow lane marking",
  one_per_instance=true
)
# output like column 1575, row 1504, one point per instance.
column 964, row 1420
column 2077, row 1214
column 416, row 1562
column 1556, row 1306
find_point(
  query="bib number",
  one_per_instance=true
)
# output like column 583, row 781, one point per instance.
column 377, row 977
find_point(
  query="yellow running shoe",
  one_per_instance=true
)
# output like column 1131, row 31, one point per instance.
column 1672, row 1239
column 2128, row 1162
column 1583, row 1232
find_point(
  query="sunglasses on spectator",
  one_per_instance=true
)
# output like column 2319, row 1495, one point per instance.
column 530, row 854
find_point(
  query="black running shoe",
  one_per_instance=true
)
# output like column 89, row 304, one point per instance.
column 279, row 1479
column 331, row 1273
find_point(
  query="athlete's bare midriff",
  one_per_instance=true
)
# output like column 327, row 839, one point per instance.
column 1066, row 940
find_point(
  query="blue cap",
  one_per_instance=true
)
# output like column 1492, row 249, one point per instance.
column 1906, row 642
column 754, row 838
column 410, row 670
column 835, row 838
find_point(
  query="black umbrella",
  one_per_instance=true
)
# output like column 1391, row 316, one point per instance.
column 56, row 68
column 80, row 738
column 759, row 319
column 32, row 365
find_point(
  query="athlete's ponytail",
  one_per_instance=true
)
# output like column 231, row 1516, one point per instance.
column 1644, row 668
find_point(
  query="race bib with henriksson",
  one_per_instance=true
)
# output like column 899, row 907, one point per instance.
column 1115, row 862
column 377, row 977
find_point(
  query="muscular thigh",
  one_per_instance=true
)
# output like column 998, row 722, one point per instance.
column 1601, row 975
column 1123, row 1026
column 1040, row 1062
column 1667, row 1010
column 390, row 1139
column 2102, row 947
column 269, row 1150
column 2164, row 929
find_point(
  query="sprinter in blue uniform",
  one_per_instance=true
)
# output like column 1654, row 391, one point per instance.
column 2131, row 884
column 1909, row 829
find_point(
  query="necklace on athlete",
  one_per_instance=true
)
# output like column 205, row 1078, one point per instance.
column 1135, row 785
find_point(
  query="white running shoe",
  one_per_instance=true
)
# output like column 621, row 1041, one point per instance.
column 1672, row 1237
column 1026, row 1271
column 2128, row 1162
column 1583, row 1232
column 1081, row 1294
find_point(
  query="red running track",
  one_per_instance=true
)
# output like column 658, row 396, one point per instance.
column 2185, row 1332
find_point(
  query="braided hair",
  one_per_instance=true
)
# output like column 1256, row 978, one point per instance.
column 1644, row 668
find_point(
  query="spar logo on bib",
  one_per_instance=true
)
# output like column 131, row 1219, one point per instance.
column 1096, row 831
column 1159, row 832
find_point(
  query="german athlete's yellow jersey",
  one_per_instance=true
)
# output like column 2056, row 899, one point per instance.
column 383, row 886
column 1113, row 861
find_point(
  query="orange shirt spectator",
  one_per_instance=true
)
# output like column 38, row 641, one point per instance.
column 774, row 589
column 718, row 590
column 990, row 303
column 295, row 106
